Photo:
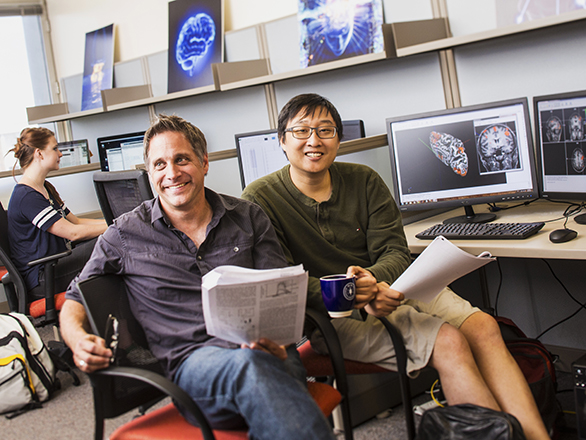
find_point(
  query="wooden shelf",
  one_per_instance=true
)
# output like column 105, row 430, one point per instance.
column 60, row 172
column 127, row 105
column 400, row 41
column 449, row 43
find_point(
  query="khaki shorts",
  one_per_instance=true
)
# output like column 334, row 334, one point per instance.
column 418, row 322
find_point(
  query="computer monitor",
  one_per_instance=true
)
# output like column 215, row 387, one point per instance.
column 121, row 152
column 462, row 157
column 74, row 153
column 560, row 145
column 260, row 153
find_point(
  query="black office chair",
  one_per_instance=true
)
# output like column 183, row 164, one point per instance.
column 334, row 365
column 15, row 287
column 135, row 379
column 121, row 191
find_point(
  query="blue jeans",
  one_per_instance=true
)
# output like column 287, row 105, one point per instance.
column 243, row 387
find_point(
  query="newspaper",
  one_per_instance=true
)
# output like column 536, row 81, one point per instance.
column 437, row 266
column 242, row 305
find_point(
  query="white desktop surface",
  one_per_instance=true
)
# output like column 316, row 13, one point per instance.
column 536, row 246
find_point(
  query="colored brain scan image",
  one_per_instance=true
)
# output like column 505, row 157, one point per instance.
column 528, row 10
column 553, row 129
column 576, row 127
column 195, row 38
column 577, row 160
column 330, row 29
column 450, row 150
column 497, row 148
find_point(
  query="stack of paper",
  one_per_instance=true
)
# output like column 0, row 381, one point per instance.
column 437, row 266
column 242, row 305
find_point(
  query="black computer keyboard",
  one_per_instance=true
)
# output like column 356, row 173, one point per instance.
column 487, row 231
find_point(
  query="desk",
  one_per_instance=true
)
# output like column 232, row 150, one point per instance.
column 537, row 246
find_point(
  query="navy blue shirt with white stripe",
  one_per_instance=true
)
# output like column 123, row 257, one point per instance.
column 30, row 215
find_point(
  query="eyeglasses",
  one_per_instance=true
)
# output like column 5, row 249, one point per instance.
column 112, row 336
column 303, row 132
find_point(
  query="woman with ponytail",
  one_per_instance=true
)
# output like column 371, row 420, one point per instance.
column 39, row 223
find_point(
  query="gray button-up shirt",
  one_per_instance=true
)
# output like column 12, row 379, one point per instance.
column 163, row 268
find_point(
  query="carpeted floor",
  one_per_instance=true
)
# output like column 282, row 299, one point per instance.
column 69, row 415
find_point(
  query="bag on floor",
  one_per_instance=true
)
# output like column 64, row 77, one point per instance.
column 536, row 363
column 27, row 373
column 468, row 422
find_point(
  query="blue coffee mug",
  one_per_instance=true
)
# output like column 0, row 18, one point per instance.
column 339, row 294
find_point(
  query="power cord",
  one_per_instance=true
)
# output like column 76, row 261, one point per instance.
column 437, row 402
column 498, row 291
column 492, row 207
column 434, row 403
column 582, row 305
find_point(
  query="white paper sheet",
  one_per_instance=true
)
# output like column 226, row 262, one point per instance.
column 242, row 305
column 437, row 266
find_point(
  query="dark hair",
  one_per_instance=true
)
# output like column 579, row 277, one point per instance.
column 174, row 123
column 309, row 104
column 31, row 139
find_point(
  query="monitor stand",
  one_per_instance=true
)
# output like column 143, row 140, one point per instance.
column 470, row 217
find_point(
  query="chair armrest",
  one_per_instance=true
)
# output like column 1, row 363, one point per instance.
column 167, row 387
column 49, row 258
column 323, row 324
column 398, row 344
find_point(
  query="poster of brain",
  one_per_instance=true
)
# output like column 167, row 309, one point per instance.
column 335, row 29
column 196, row 41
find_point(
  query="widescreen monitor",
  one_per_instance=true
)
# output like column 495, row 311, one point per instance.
column 560, row 145
column 74, row 153
column 463, row 156
column 121, row 152
column 260, row 153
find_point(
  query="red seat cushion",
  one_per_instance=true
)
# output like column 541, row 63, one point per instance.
column 37, row 308
column 167, row 422
column 318, row 365
column 326, row 397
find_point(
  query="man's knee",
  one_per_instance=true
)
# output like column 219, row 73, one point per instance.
column 450, row 346
column 481, row 329
column 254, row 364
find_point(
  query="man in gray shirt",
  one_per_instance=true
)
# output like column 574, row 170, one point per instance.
column 162, row 249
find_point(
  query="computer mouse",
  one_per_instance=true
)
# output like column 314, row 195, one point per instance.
column 562, row 235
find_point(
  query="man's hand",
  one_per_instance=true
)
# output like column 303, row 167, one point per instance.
column 365, row 285
column 268, row 346
column 90, row 353
column 385, row 302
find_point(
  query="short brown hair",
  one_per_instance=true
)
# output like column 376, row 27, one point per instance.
column 174, row 123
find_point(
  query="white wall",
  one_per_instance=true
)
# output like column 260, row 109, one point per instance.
column 141, row 26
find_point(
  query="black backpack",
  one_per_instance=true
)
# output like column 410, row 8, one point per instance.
column 536, row 363
column 468, row 422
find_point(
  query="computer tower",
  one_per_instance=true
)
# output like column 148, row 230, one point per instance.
column 579, row 370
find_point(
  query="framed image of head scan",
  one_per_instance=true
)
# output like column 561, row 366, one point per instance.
column 98, row 68
column 196, row 41
column 335, row 29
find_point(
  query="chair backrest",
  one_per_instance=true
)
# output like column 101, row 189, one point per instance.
column 104, row 296
column 13, row 282
column 121, row 191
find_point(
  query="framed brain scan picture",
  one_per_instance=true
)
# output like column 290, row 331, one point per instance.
column 335, row 29
column 196, row 41
column 98, row 66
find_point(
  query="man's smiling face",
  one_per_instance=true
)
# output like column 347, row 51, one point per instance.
column 176, row 172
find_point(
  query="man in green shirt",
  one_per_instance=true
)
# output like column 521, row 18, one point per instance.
column 341, row 218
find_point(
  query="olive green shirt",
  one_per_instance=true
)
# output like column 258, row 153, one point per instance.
column 359, row 225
